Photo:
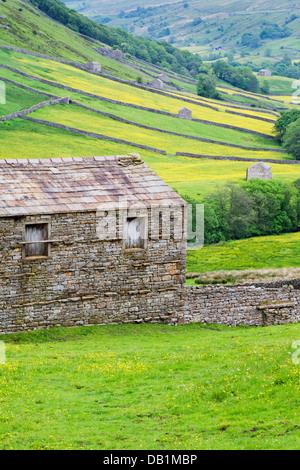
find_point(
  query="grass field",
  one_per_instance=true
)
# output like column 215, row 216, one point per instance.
column 139, row 116
column 73, row 116
column 151, row 387
column 277, row 251
column 192, row 177
column 75, row 78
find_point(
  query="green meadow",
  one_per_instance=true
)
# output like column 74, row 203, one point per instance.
column 157, row 387
column 78, row 79
column 139, row 116
column 72, row 116
column 270, row 252
column 189, row 176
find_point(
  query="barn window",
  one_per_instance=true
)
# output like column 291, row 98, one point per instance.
column 36, row 240
column 135, row 232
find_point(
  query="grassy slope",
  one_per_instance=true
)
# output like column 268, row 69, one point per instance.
column 277, row 251
column 150, row 387
column 53, row 39
column 192, row 177
column 75, row 117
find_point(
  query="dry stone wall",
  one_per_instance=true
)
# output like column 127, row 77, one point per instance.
column 259, row 118
column 238, row 159
column 93, row 134
column 35, row 107
column 260, row 304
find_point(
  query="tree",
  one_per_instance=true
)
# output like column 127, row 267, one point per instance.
column 207, row 87
column 251, row 40
column 274, row 205
column 268, row 52
column 265, row 88
column 291, row 139
column 241, row 77
column 286, row 118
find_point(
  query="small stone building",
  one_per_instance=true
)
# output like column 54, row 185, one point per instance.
column 89, row 241
column 265, row 73
column 94, row 67
column 185, row 113
column 157, row 83
column 163, row 77
column 259, row 170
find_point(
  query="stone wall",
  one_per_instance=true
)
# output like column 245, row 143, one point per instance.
column 131, row 105
column 87, row 280
column 35, row 107
column 93, row 134
column 260, row 304
column 259, row 118
column 91, row 280
column 237, row 159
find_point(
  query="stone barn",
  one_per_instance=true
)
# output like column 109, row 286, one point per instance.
column 89, row 241
column 94, row 67
column 259, row 170
column 163, row 77
column 157, row 83
column 185, row 113
column 265, row 73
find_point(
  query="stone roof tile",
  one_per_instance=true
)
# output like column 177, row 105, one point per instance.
column 76, row 184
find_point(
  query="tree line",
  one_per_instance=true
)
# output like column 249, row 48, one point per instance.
column 256, row 208
column 241, row 77
column 287, row 131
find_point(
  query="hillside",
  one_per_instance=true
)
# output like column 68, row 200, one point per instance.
column 203, row 27
column 114, row 112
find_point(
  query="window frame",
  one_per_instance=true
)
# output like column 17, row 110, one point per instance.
column 144, row 233
column 47, row 242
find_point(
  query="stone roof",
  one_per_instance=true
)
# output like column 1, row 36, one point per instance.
column 62, row 185
column 260, row 165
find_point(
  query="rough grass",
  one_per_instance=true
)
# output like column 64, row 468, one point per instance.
column 33, row 31
column 151, row 387
column 242, row 276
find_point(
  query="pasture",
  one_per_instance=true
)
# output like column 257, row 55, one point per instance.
column 157, row 387
column 269, row 252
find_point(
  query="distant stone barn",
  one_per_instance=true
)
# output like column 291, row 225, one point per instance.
column 259, row 170
column 163, row 77
column 89, row 241
column 94, row 67
column 185, row 113
column 157, row 83
column 265, row 73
